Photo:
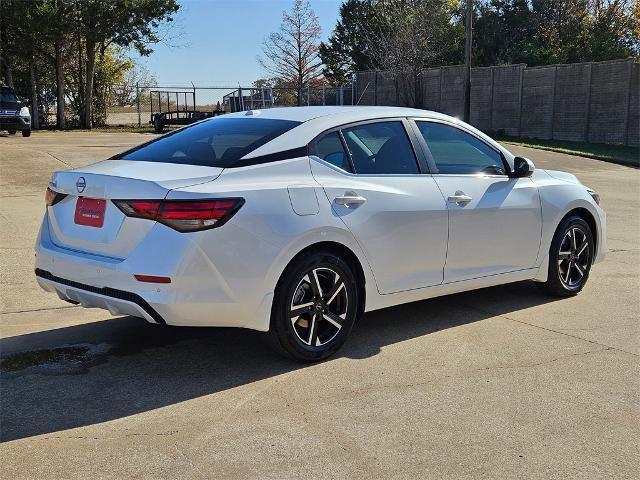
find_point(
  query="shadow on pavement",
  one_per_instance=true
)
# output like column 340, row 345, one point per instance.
column 149, row 366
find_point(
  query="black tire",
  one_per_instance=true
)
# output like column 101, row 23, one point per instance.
column 569, row 259
column 158, row 124
column 26, row 133
column 312, row 336
column 12, row 132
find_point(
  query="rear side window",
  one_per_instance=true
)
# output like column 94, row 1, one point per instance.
column 457, row 152
column 220, row 142
column 380, row 148
column 330, row 149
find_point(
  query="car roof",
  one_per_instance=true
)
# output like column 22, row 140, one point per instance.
column 342, row 113
column 315, row 120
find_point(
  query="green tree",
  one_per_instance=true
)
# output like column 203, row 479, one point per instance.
column 346, row 50
column 543, row 32
column 408, row 36
column 32, row 33
column 125, row 23
column 614, row 29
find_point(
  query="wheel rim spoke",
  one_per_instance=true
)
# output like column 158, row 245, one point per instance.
column 337, row 287
column 573, row 240
column 298, row 310
column 579, row 269
column 333, row 319
column 315, row 283
column 568, row 274
column 583, row 247
column 313, row 330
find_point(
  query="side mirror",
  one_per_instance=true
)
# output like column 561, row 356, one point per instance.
column 522, row 167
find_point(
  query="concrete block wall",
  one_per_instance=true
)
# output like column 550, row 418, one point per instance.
column 585, row 102
column 482, row 97
column 571, row 103
column 609, row 106
column 538, row 89
column 633, row 127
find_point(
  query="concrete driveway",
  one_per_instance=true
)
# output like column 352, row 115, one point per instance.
column 497, row 383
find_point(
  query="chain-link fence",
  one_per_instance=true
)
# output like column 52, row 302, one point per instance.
column 139, row 105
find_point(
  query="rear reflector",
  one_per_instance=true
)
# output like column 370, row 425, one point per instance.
column 183, row 215
column 152, row 279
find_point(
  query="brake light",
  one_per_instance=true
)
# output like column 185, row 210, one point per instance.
column 51, row 197
column 183, row 215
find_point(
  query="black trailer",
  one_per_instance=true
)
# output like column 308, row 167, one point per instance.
column 176, row 108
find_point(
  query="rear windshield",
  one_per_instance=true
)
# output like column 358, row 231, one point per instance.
column 220, row 142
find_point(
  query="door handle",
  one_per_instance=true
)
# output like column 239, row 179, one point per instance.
column 350, row 198
column 459, row 198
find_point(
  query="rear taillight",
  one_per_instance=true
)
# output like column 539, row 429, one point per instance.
column 52, row 197
column 183, row 215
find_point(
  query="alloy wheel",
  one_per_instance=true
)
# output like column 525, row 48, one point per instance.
column 574, row 257
column 318, row 307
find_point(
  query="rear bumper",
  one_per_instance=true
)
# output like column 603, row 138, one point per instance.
column 199, row 293
column 118, row 302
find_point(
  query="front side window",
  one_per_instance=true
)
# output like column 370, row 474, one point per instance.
column 457, row 152
column 220, row 142
column 380, row 148
column 330, row 149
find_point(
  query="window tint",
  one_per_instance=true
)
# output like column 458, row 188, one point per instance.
column 330, row 149
column 457, row 152
column 7, row 95
column 381, row 147
column 220, row 142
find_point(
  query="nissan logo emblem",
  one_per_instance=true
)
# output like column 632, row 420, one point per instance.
column 81, row 184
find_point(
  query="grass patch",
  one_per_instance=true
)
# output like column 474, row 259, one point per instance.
column 611, row 153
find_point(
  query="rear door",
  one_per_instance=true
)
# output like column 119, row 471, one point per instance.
column 373, row 180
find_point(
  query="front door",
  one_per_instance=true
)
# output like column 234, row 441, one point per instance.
column 495, row 221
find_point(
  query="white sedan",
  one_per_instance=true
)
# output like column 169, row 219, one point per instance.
column 295, row 221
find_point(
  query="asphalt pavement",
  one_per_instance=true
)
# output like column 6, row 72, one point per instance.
column 497, row 383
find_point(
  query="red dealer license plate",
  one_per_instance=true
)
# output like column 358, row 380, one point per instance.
column 90, row 212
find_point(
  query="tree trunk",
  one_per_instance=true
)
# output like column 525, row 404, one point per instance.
column 35, row 118
column 59, row 65
column 4, row 52
column 88, row 86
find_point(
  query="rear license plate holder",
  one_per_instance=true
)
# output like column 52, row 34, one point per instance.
column 90, row 212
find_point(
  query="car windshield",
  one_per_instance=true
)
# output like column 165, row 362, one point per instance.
column 7, row 96
column 220, row 142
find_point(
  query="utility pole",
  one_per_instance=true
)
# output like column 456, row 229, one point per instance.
column 468, row 29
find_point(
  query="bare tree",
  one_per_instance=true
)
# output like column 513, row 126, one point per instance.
column 291, row 54
column 407, row 36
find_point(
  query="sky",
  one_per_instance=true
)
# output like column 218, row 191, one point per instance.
column 216, row 42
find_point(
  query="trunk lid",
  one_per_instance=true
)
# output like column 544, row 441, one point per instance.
column 113, row 180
